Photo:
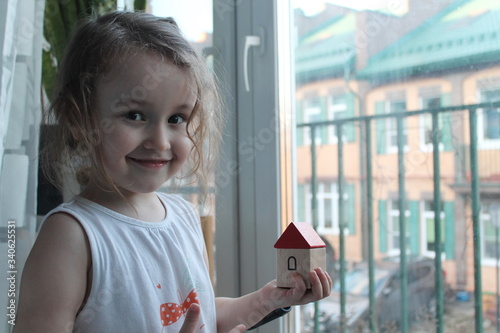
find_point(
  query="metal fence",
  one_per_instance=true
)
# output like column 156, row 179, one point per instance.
column 364, row 123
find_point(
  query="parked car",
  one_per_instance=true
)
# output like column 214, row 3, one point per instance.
column 420, row 291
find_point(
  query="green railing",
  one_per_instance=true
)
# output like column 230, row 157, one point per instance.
column 365, row 123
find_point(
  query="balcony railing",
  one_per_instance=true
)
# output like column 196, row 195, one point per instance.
column 471, row 178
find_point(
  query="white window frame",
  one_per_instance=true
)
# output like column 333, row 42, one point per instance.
column 249, row 206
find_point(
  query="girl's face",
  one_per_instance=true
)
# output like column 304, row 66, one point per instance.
column 144, row 105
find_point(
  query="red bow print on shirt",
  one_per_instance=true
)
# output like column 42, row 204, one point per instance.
column 171, row 312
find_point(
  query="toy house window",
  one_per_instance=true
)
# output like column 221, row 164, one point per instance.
column 292, row 264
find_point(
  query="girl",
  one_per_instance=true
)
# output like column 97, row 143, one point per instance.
column 135, row 106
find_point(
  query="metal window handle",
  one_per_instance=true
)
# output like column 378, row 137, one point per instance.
column 249, row 42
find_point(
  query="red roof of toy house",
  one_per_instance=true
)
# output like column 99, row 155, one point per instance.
column 299, row 235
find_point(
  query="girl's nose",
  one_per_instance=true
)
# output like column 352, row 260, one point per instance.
column 157, row 139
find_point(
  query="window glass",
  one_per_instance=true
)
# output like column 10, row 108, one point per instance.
column 370, row 60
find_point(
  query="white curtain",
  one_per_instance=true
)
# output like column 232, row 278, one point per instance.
column 21, row 37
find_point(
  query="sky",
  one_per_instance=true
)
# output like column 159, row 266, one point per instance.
column 195, row 16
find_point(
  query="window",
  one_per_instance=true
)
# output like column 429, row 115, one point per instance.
column 337, row 108
column 312, row 113
column 394, row 233
column 386, row 128
column 391, row 129
column 489, row 120
column 490, row 229
column 327, row 200
column 428, row 246
column 395, row 60
column 426, row 123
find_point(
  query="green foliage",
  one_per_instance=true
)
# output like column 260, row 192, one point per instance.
column 140, row 5
column 61, row 16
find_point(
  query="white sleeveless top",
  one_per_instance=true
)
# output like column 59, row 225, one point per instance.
column 145, row 274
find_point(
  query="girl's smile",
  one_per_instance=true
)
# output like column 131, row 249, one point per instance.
column 150, row 163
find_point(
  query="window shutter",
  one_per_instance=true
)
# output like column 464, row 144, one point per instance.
column 414, row 228
column 446, row 130
column 449, row 236
column 382, row 227
column 380, row 128
column 350, row 213
column 299, row 120
column 349, row 128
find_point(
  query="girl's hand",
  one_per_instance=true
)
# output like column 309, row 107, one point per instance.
column 191, row 322
column 321, row 286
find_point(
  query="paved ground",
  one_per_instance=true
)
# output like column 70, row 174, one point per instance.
column 459, row 318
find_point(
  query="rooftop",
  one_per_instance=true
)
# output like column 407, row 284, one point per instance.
column 299, row 235
column 464, row 34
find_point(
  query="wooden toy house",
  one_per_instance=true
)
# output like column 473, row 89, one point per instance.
column 299, row 249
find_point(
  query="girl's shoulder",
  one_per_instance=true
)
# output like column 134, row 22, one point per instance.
column 175, row 201
column 65, row 231
column 55, row 275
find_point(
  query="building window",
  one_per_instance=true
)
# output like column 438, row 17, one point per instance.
column 391, row 126
column 328, row 207
column 488, row 227
column 426, row 123
column 489, row 120
column 393, row 227
column 312, row 113
column 337, row 107
column 427, row 224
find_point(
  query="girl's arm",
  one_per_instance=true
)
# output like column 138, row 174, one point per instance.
column 54, row 279
column 251, row 308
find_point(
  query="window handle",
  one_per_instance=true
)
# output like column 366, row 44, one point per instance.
column 249, row 42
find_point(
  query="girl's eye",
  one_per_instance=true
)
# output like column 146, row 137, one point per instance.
column 134, row 115
column 176, row 119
